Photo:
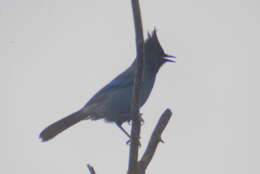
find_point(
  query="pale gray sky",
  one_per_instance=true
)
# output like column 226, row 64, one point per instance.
column 56, row 54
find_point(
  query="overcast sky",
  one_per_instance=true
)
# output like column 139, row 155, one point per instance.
column 55, row 54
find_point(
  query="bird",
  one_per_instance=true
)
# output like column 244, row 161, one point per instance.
column 113, row 102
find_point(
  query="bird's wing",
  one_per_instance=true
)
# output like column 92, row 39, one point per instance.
column 123, row 80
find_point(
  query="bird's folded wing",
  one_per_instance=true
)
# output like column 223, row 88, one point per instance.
column 122, row 81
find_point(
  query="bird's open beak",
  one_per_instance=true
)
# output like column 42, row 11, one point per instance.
column 167, row 56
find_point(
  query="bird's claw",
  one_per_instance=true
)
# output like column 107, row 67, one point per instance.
column 131, row 140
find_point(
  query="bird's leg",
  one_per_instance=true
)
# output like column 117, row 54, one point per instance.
column 122, row 129
column 141, row 120
column 127, row 134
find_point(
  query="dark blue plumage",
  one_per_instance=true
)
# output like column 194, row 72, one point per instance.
column 113, row 101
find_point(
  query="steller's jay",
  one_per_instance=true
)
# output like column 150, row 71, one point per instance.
column 113, row 101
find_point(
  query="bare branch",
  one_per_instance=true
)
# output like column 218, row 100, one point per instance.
column 154, row 140
column 91, row 169
column 135, row 130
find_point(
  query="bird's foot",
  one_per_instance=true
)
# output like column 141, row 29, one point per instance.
column 131, row 140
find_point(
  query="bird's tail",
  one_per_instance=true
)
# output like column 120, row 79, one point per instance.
column 61, row 125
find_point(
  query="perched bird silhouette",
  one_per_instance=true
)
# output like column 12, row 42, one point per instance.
column 113, row 101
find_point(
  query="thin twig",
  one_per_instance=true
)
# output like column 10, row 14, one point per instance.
column 154, row 140
column 91, row 169
column 135, row 131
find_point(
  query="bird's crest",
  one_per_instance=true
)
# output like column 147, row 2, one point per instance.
column 152, row 42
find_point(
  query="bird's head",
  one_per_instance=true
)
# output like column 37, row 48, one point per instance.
column 154, row 53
